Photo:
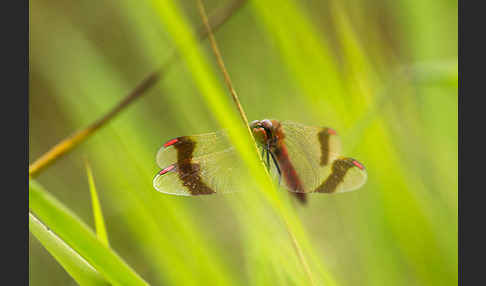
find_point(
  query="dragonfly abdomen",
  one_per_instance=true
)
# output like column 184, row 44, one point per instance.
column 289, row 173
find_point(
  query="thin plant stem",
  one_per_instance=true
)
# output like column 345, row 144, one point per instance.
column 300, row 254
column 67, row 144
column 234, row 95
column 219, row 58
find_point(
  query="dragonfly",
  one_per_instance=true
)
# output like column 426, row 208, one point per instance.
column 302, row 159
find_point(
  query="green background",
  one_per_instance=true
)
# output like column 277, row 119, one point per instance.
column 382, row 73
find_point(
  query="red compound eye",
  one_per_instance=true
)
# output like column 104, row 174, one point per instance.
column 331, row 131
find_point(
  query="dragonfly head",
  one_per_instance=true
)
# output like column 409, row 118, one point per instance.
column 263, row 131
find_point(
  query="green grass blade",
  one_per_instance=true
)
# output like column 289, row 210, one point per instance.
column 79, row 269
column 80, row 237
column 97, row 214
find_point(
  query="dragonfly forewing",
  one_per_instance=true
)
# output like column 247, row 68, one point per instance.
column 219, row 172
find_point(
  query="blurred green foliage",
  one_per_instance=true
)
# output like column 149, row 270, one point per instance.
column 382, row 73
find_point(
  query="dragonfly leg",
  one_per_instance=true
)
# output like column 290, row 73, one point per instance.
column 263, row 157
column 278, row 167
column 268, row 159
